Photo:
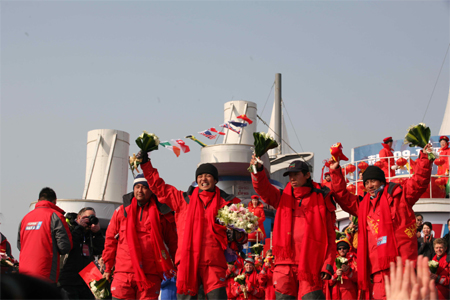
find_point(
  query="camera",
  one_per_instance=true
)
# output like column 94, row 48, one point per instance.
column 92, row 220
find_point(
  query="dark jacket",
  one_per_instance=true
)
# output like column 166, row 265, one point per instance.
column 426, row 249
column 77, row 260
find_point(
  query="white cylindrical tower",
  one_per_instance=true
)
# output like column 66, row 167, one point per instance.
column 106, row 165
column 106, row 175
column 231, row 111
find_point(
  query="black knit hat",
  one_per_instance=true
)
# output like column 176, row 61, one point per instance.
column 207, row 169
column 373, row 172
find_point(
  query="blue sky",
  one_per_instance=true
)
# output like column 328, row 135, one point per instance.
column 353, row 72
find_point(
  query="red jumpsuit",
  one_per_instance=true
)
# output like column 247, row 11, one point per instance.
column 445, row 155
column 401, row 201
column 259, row 212
column 117, row 254
column 285, row 274
column 230, row 281
column 212, row 264
column 443, row 279
column 254, row 290
column 266, row 280
column 348, row 289
column 388, row 162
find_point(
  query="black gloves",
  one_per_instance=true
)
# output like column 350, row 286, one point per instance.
column 143, row 156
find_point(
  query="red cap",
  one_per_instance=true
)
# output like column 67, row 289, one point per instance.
column 445, row 138
column 387, row 140
column 255, row 197
column 327, row 174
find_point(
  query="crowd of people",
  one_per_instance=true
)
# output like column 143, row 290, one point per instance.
column 164, row 242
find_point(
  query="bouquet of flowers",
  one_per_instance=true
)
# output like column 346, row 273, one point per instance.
column 269, row 259
column 93, row 278
column 240, row 279
column 147, row 142
column 263, row 142
column 340, row 261
column 355, row 222
column 237, row 217
column 100, row 288
column 7, row 261
column 340, row 235
column 419, row 136
column 257, row 249
column 433, row 265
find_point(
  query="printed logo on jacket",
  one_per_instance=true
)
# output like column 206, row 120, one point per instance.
column 33, row 225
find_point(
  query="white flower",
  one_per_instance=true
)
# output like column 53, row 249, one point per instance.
column 433, row 263
column 343, row 260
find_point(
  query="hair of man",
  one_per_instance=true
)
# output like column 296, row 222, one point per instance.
column 47, row 194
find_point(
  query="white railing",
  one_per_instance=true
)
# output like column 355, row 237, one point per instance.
column 401, row 174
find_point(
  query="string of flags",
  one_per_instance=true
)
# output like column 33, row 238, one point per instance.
column 178, row 146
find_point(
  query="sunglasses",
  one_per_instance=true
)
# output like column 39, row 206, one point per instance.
column 342, row 248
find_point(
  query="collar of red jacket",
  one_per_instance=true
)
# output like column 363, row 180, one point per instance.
column 48, row 204
column 386, row 146
column 444, row 148
column 301, row 191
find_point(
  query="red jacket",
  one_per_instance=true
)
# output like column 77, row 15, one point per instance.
column 445, row 155
column 230, row 281
column 348, row 289
column 259, row 212
column 401, row 200
column 388, row 162
column 272, row 196
column 266, row 281
column 254, row 290
column 43, row 236
column 211, row 251
column 117, row 253
column 443, row 279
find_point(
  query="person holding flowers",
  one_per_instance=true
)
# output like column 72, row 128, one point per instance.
column 303, row 233
column 344, row 282
column 257, row 208
column 247, row 283
column 200, row 257
column 232, row 272
column 135, row 245
column 442, row 274
column 387, row 157
column 387, row 224
column 266, row 276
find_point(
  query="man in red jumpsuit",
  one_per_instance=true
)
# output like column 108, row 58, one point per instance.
column 200, row 257
column 303, row 234
column 135, row 245
column 389, row 165
column 43, row 236
column 386, row 220
column 347, row 288
column 442, row 276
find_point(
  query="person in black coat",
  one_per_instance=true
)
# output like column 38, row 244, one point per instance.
column 88, row 241
column 425, row 243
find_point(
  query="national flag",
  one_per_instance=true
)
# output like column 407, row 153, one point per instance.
column 227, row 126
column 182, row 145
column 170, row 147
column 195, row 140
column 237, row 124
column 215, row 130
column 208, row 134
column 245, row 118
